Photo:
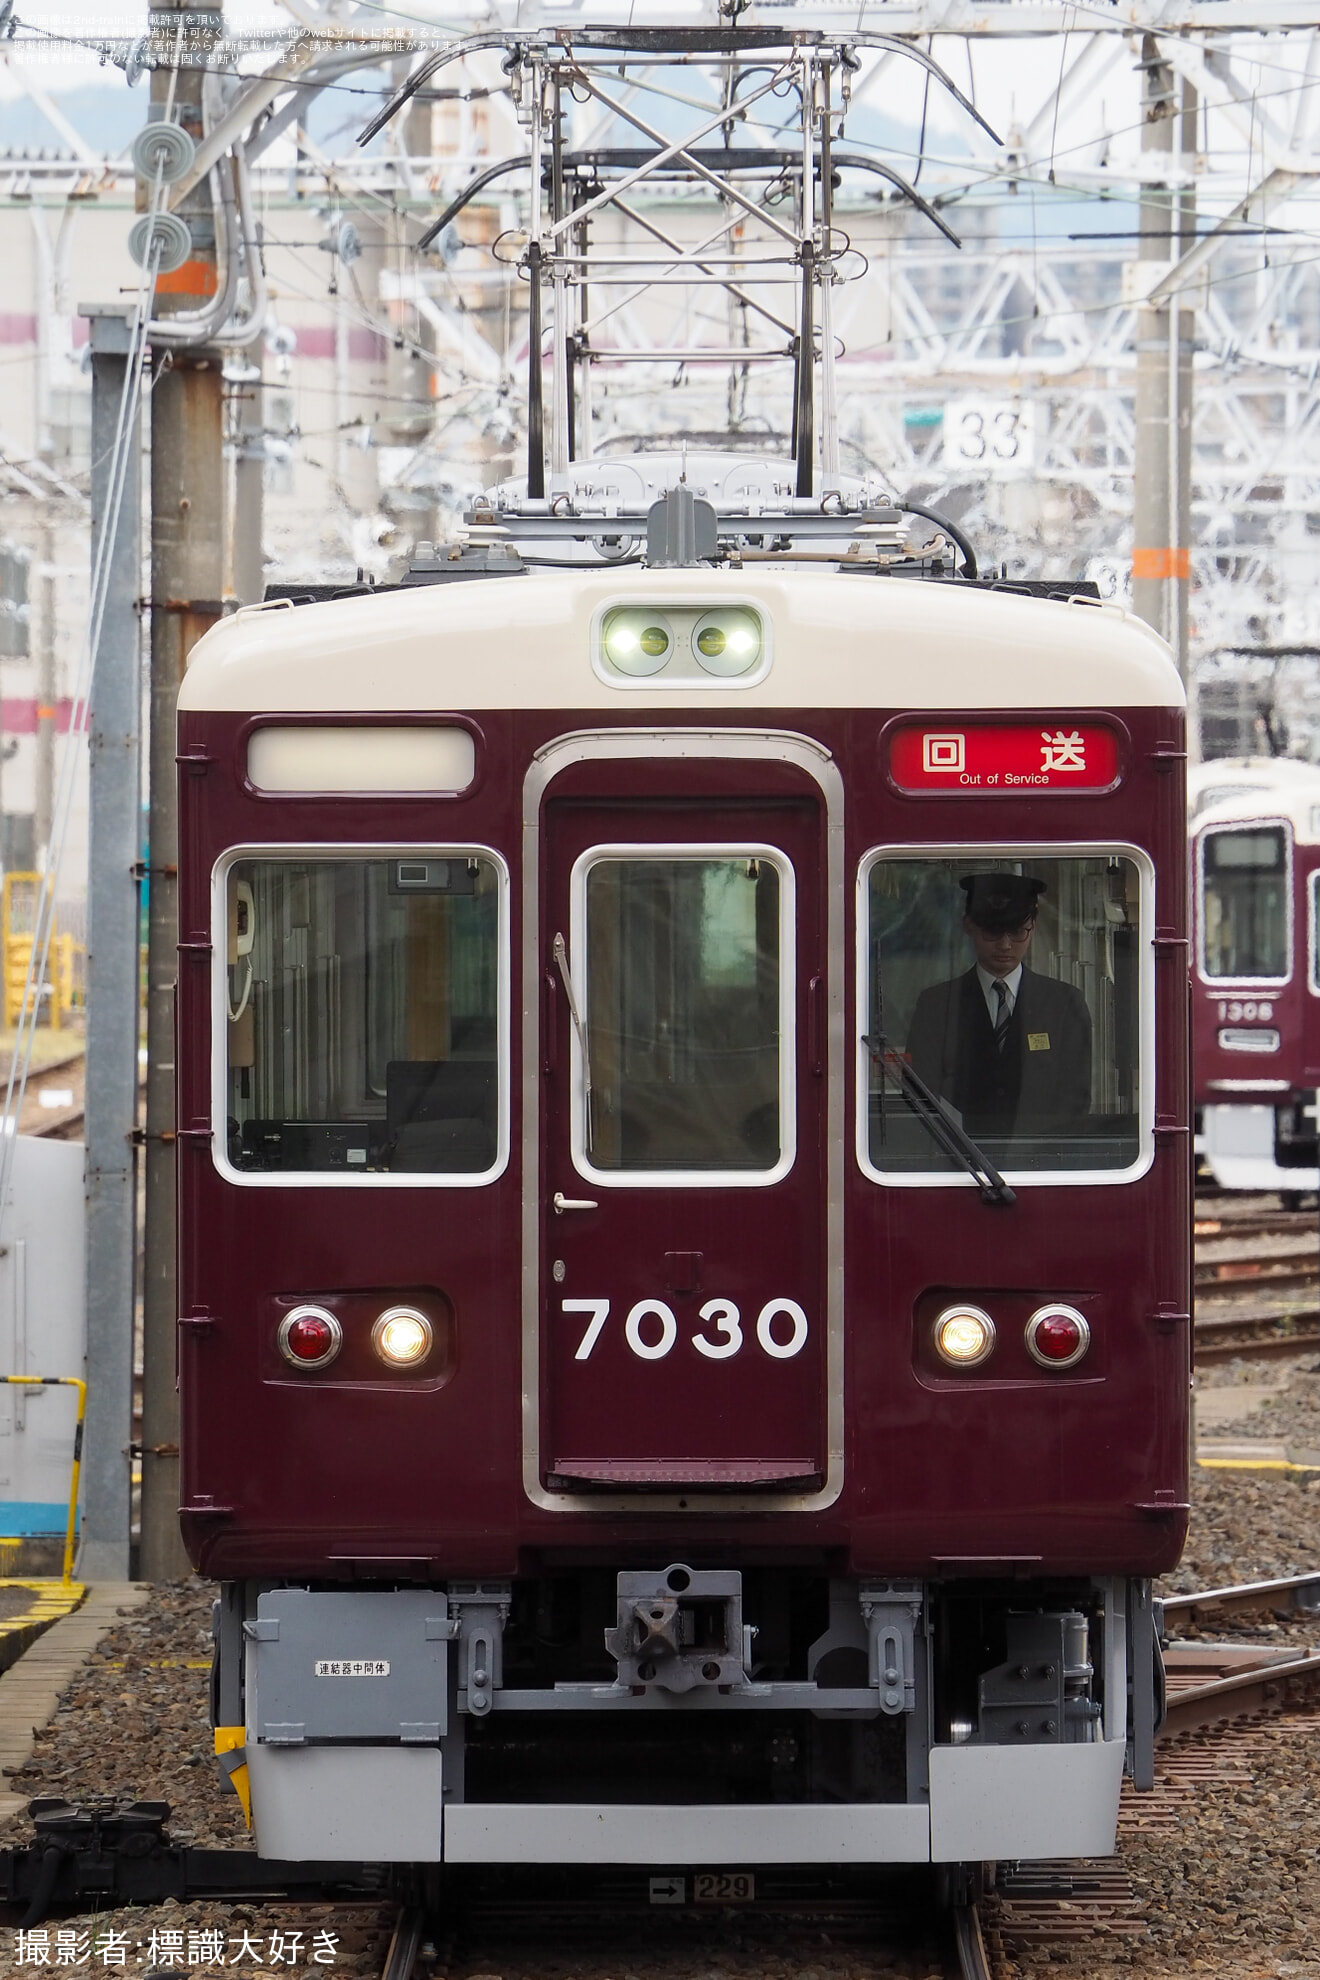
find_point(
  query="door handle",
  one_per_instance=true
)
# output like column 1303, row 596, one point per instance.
column 562, row 1203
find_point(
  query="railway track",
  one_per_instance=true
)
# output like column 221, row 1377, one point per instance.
column 969, row 1944
column 53, row 1098
column 401, row 1960
column 597, row 1923
column 1222, row 1699
column 1209, row 1682
column 1299, row 1593
column 1257, row 1279
column 1262, row 1336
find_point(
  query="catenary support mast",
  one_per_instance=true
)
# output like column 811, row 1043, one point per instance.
column 110, row 1104
column 1162, row 468
column 187, row 549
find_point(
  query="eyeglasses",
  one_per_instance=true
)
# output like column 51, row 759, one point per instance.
column 1018, row 934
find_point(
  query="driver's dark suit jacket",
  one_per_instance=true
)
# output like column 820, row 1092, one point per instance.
column 1039, row 1083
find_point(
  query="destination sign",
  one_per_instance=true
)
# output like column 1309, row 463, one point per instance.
column 1004, row 760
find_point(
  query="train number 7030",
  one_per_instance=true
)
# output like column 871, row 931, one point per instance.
column 651, row 1329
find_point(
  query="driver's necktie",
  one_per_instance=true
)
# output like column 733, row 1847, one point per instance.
column 1003, row 1014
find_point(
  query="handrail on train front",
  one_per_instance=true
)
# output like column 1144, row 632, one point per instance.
column 62, row 1382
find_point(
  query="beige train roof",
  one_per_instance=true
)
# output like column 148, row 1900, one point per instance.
column 1297, row 803
column 1224, row 779
column 839, row 641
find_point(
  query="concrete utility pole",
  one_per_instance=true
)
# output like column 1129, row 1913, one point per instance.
column 45, row 778
column 247, row 575
column 187, row 558
column 112, row 972
column 411, row 404
column 1162, row 471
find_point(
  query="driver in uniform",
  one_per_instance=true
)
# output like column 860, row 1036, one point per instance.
column 1010, row 1050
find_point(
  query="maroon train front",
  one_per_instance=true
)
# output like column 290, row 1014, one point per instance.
column 1256, row 973
column 684, row 1205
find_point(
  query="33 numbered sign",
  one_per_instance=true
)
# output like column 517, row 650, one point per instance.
column 989, row 433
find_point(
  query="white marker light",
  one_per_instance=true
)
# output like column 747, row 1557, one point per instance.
column 964, row 1336
column 402, row 1336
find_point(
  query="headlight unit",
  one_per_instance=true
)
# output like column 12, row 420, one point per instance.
column 402, row 1337
column 637, row 642
column 964, row 1335
column 727, row 642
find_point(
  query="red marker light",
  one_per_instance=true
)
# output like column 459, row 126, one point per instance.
column 309, row 1337
column 1057, row 1336
column 1058, row 1339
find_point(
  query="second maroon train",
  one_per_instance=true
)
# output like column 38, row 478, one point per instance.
column 1255, row 841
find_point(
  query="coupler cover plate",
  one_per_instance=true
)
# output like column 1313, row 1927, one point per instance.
column 362, row 1664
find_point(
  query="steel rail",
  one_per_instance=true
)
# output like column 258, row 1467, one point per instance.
column 1260, row 1688
column 973, row 1958
column 70, row 1127
column 1275, row 1275
column 1277, row 1223
column 405, row 1944
column 1219, row 1336
column 1263, row 1344
column 1292, row 1591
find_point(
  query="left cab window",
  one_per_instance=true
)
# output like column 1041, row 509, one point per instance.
column 364, row 1014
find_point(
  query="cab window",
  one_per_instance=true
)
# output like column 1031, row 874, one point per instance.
column 1244, row 904
column 362, row 1015
column 1004, row 997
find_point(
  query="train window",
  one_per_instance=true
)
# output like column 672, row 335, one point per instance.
column 687, row 1010
column 364, row 1013
column 1009, row 995
column 1244, row 904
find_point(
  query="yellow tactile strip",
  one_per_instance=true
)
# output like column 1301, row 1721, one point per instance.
column 30, row 1690
column 47, row 1602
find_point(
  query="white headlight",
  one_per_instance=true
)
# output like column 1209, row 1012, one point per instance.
column 727, row 642
column 402, row 1336
column 637, row 642
column 964, row 1335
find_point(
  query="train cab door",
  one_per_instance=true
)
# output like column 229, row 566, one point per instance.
column 683, row 1179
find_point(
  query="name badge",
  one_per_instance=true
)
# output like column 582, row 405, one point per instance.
column 1038, row 1041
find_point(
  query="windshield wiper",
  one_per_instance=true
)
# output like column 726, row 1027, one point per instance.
column 939, row 1124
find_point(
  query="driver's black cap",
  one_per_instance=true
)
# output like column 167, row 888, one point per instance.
column 1000, row 901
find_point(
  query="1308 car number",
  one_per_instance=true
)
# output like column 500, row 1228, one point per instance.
column 651, row 1328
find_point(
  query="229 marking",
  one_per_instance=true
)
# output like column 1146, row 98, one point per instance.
column 651, row 1328
column 724, row 1887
